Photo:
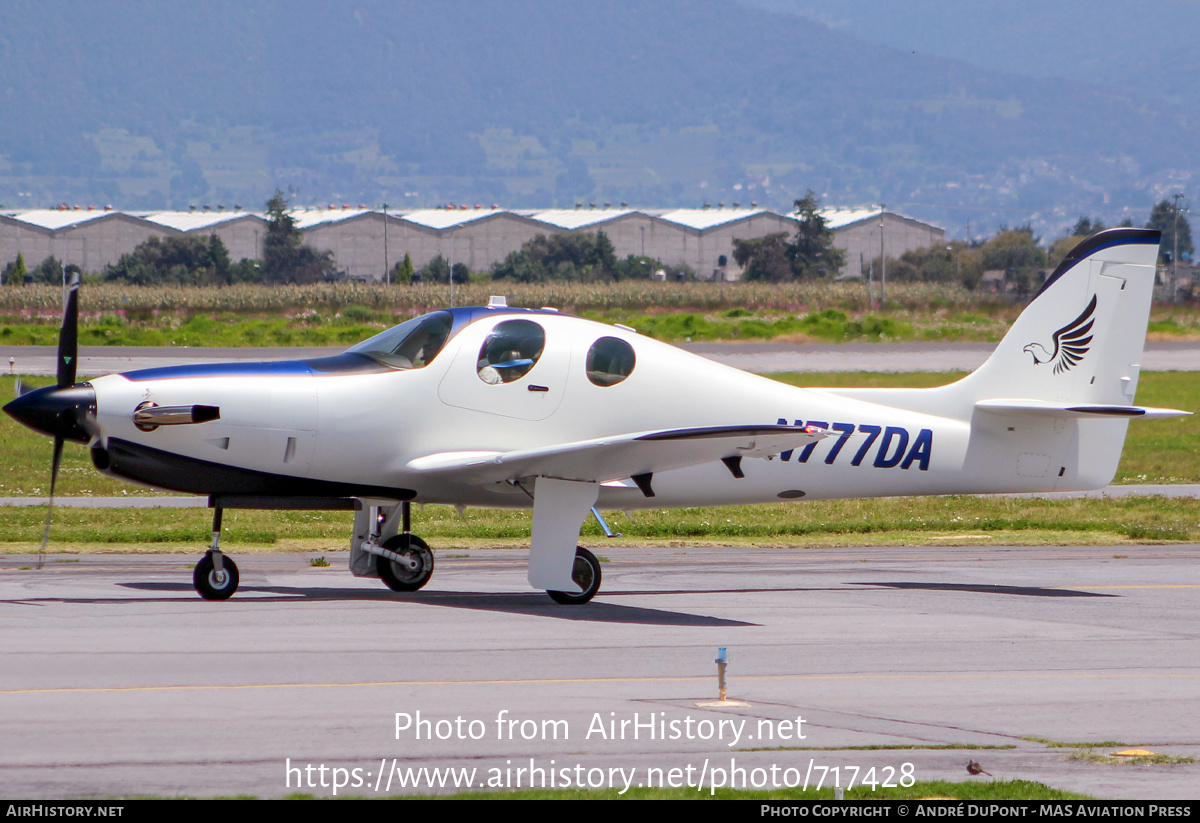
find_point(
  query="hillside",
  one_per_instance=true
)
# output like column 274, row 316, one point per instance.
column 537, row 103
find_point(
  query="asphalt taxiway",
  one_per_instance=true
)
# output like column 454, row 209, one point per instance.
column 117, row 679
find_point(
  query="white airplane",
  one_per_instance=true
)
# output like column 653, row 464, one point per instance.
column 501, row 407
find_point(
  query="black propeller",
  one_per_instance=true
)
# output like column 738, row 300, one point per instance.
column 62, row 410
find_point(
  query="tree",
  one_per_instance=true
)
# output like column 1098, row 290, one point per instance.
column 585, row 257
column 14, row 272
column 937, row 264
column 285, row 258
column 1162, row 217
column 811, row 251
column 48, row 271
column 809, row 254
column 185, row 260
column 1085, row 227
column 436, row 270
column 1017, row 252
column 404, row 272
column 764, row 258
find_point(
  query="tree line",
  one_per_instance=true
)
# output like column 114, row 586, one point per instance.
column 1022, row 256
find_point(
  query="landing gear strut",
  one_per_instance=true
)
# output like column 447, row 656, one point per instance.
column 215, row 576
column 585, row 574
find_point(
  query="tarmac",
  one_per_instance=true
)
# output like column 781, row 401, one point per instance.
column 864, row 663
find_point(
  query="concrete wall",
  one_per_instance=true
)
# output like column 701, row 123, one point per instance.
column 487, row 240
column 16, row 238
column 900, row 234
column 357, row 242
column 91, row 245
column 243, row 236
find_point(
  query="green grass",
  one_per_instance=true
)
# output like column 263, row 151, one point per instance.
column 1060, row 744
column 1090, row 756
column 940, row 521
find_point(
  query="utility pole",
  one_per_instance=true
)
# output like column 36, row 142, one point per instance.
column 882, row 259
column 387, row 273
column 1175, row 253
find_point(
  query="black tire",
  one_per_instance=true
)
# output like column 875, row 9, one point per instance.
column 586, row 575
column 400, row 578
column 209, row 584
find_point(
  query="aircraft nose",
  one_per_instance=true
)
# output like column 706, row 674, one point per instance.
column 58, row 412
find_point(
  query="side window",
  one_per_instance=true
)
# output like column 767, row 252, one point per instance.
column 609, row 361
column 510, row 351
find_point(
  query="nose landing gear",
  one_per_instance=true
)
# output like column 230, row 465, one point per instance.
column 215, row 576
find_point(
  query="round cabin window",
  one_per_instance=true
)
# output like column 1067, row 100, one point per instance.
column 510, row 351
column 609, row 361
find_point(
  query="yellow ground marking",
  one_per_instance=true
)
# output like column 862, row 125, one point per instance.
column 571, row 680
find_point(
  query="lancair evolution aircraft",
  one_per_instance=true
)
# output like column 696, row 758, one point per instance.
column 501, row 407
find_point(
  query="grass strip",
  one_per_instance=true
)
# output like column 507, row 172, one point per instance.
column 915, row 521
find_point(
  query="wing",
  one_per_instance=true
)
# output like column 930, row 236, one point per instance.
column 618, row 457
column 1073, row 340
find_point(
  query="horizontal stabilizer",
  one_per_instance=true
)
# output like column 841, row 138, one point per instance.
column 621, row 456
column 1043, row 408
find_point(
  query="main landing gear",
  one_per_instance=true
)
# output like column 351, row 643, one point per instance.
column 404, row 562
column 413, row 566
column 585, row 574
column 215, row 576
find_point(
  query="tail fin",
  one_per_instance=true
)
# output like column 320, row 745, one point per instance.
column 1050, row 407
column 1080, row 340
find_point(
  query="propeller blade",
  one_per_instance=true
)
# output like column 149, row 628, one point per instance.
column 68, row 336
column 19, row 386
column 54, row 463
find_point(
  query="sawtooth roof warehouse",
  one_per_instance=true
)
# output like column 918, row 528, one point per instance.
column 366, row 242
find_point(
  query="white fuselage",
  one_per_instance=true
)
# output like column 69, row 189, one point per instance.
column 366, row 428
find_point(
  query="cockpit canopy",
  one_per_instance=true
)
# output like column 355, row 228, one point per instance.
column 411, row 345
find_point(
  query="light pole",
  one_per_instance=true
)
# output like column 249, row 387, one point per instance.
column 1175, row 252
column 882, row 260
column 387, row 273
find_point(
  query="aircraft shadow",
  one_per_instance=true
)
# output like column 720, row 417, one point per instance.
column 984, row 588
column 537, row 605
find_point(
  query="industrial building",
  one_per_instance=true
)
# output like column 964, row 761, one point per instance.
column 366, row 243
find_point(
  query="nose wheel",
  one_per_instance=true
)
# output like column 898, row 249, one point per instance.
column 585, row 574
column 212, row 583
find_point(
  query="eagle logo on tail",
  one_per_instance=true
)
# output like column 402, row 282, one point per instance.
column 1071, row 342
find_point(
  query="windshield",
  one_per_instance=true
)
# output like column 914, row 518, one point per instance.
column 411, row 345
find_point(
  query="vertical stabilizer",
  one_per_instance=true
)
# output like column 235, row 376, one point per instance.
column 1049, row 408
column 1080, row 339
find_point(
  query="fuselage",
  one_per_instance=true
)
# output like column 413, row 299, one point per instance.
column 342, row 424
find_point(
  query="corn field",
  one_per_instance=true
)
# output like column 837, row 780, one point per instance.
column 571, row 297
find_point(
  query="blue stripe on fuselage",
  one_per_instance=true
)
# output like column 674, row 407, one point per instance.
column 276, row 368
